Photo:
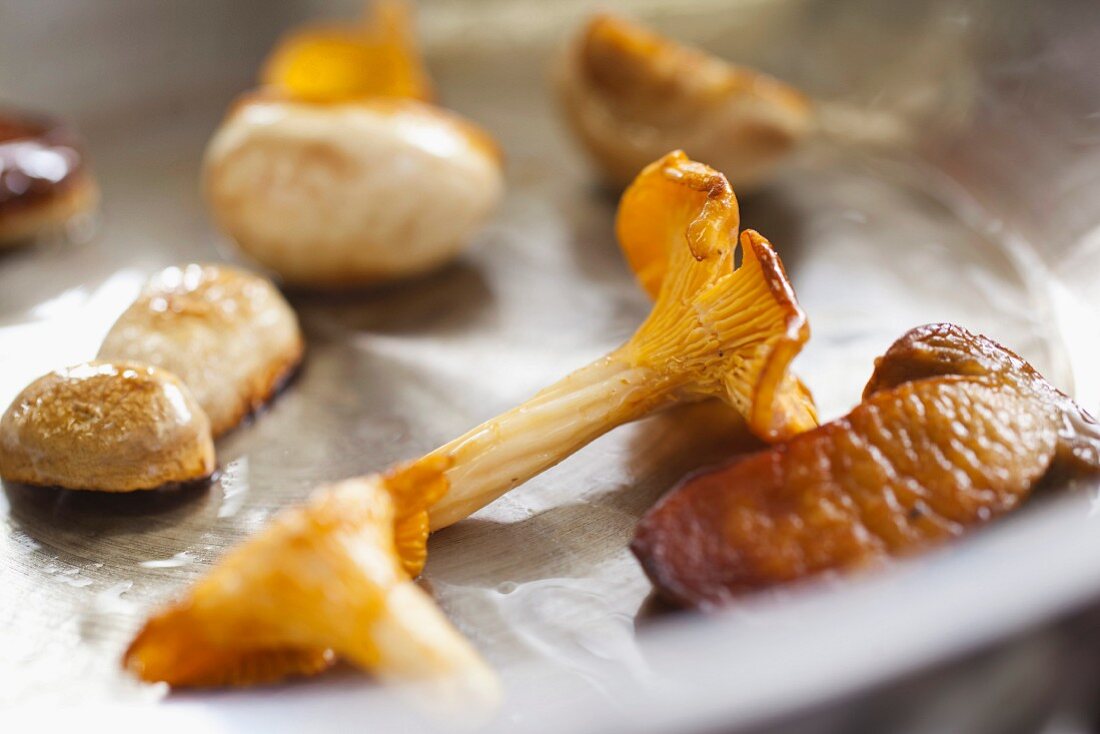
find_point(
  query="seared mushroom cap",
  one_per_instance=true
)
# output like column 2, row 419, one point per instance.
column 113, row 427
column 953, row 431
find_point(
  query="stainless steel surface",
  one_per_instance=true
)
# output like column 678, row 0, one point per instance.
column 954, row 180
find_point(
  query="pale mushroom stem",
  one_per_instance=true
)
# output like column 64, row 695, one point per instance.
column 412, row 640
column 515, row 446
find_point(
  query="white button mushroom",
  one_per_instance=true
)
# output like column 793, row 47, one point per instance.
column 350, row 193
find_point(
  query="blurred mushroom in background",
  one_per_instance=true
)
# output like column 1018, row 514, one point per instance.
column 630, row 96
column 338, row 172
column 44, row 178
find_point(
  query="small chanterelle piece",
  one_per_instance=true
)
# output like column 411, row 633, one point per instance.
column 326, row 581
column 953, row 431
column 333, row 62
column 309, row 582
column 339, row 173
column 227, row 333
column 113, row 427
column 630, row 95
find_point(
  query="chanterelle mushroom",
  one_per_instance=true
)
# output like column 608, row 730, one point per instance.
column 337, row 173
column 954, row 430
column 113, row 427
column 324, row 581
column 715, row 331
column 630, row 94
column 333, row 62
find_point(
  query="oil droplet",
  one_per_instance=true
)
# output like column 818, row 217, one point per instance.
column 110, row 599
column 180, row 559
column 234, row 485
column 69, row 575
column 77, row 581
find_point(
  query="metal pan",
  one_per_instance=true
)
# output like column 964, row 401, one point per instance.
column 955, row 178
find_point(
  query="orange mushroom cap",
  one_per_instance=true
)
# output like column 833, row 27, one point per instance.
column 676, row 199
column 377, row 57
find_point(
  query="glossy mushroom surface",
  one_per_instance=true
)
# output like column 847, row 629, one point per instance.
column 954, row 431
column 350, row 193
column 44, row 177
column 716, row 330
column 112, row 427
column 227, row 333
column 322, row 582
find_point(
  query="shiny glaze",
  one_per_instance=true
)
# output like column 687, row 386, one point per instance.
column 38, row 158
column 940, row 444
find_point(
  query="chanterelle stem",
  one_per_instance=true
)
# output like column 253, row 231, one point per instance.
column 506, row 451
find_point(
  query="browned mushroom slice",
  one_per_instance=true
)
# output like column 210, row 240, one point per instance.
column 947, row 349
column 913, row 465
column 228, row 333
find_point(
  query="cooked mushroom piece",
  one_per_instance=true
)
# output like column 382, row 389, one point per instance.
column 954, row 430
column 349, row 193
column 630, row 94
column 333, row 62
column 323, row 582
column 337, row 173
column 227, row 333
column 112, row 427
column 947, row 349
column 45, row 180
